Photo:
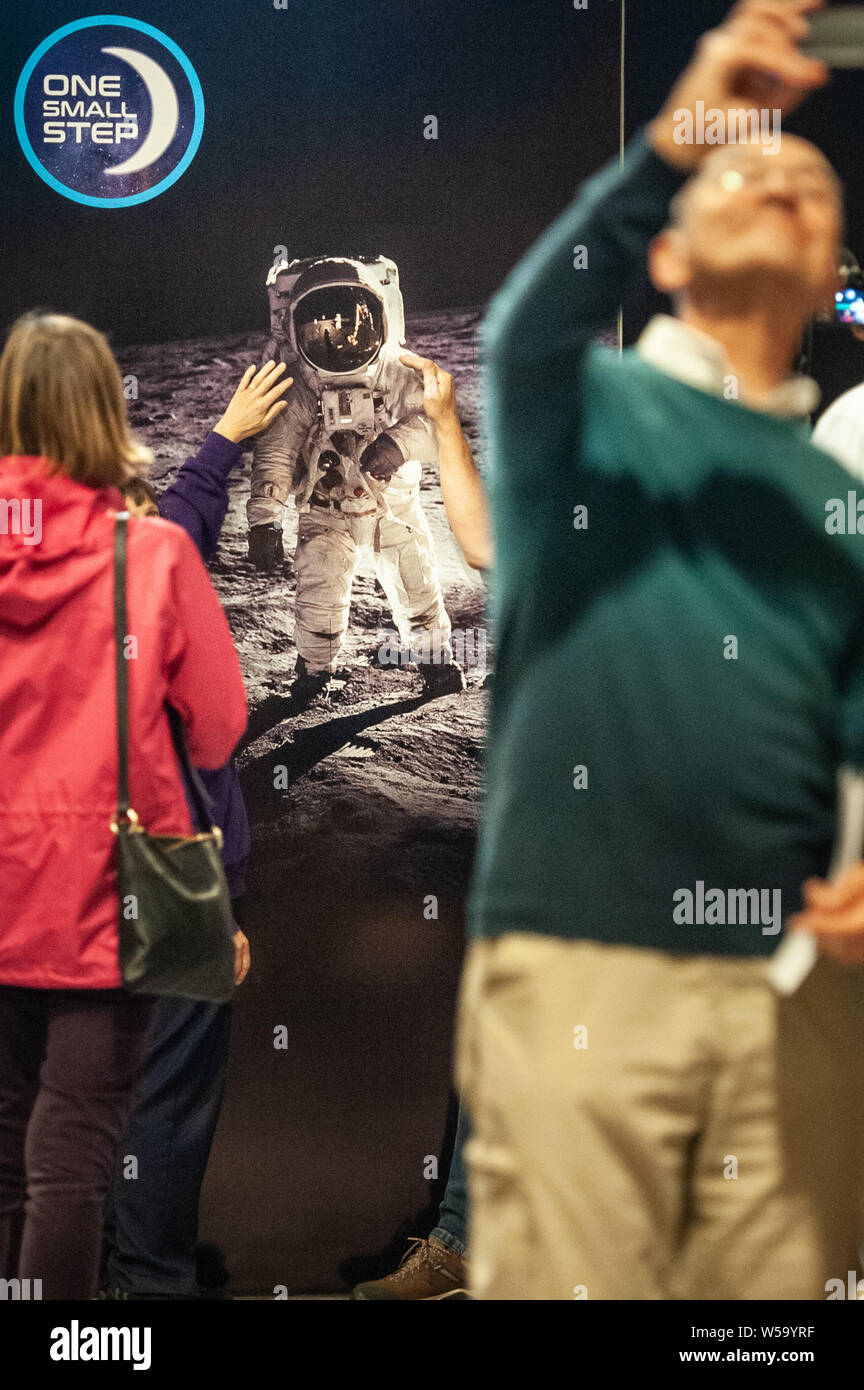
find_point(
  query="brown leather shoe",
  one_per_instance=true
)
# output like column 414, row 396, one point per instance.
column 428, row 1270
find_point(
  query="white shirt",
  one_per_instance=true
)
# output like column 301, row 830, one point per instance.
column 685, row 352
column 840, row 430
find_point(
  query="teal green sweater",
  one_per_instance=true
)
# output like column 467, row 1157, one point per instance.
column 695, row 650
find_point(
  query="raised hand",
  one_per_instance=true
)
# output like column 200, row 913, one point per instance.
column 752, row 60
column 256, row 402
column 439, row 396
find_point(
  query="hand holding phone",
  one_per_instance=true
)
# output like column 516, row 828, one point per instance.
column 837, row 37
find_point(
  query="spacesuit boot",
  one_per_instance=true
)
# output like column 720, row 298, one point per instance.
column 448, row 679
column 307, row 686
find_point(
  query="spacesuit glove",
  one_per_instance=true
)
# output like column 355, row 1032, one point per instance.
column 265, row 546
column 382, row 458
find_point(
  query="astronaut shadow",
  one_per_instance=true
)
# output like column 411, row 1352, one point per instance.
column 307, row 747
column 270, row 712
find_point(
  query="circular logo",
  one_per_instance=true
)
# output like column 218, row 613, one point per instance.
column 109, row 111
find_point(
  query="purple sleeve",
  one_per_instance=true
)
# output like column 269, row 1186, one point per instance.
column 198, row 501
column 198, row 498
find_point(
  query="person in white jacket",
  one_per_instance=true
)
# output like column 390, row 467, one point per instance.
column 350, row 448
column 840, row 429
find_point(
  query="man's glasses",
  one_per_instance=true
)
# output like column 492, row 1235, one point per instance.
column 812, row 183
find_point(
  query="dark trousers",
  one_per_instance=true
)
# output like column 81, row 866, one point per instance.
column 452, row 1228
column 151, row 1215
column 68, row 1062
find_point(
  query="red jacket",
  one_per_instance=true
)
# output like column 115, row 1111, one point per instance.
column 58, row 759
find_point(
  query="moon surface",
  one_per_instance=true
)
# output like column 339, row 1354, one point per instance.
column 165, row 111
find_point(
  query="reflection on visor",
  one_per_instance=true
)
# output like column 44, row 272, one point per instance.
column 339, row 328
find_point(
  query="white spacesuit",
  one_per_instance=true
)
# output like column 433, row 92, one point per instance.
column 349, row 446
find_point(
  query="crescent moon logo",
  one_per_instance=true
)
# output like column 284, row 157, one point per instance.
column 163, row 104
column 81, row 111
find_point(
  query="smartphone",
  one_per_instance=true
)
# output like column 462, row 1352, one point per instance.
column 837, row 36
column 849, row 304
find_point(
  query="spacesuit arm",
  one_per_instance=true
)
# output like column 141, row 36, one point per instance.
column 415, row 436
column 274, row 458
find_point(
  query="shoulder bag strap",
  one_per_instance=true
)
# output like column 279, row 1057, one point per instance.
column 120, row 665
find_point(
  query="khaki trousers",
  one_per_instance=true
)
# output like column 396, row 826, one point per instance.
column 652, row 1126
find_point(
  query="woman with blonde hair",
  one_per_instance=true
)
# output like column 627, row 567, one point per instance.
column 71, row 1039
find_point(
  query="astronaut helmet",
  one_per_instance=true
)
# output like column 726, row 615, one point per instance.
column 339, row 315
column 339, row 329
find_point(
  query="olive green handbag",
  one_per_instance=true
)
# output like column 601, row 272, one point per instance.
column 175, row 924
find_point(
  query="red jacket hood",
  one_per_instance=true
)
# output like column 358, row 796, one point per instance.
column 59, row 516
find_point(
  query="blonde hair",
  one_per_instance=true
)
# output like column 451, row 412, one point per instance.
column 61, row 399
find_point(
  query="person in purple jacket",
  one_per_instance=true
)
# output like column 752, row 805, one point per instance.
column 151, row 1218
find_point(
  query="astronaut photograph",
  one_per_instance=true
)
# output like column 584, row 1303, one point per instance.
column 350, row 446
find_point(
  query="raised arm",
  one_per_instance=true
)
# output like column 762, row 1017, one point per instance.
column 462, row 489
column 197, row 500
column 203, row 675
